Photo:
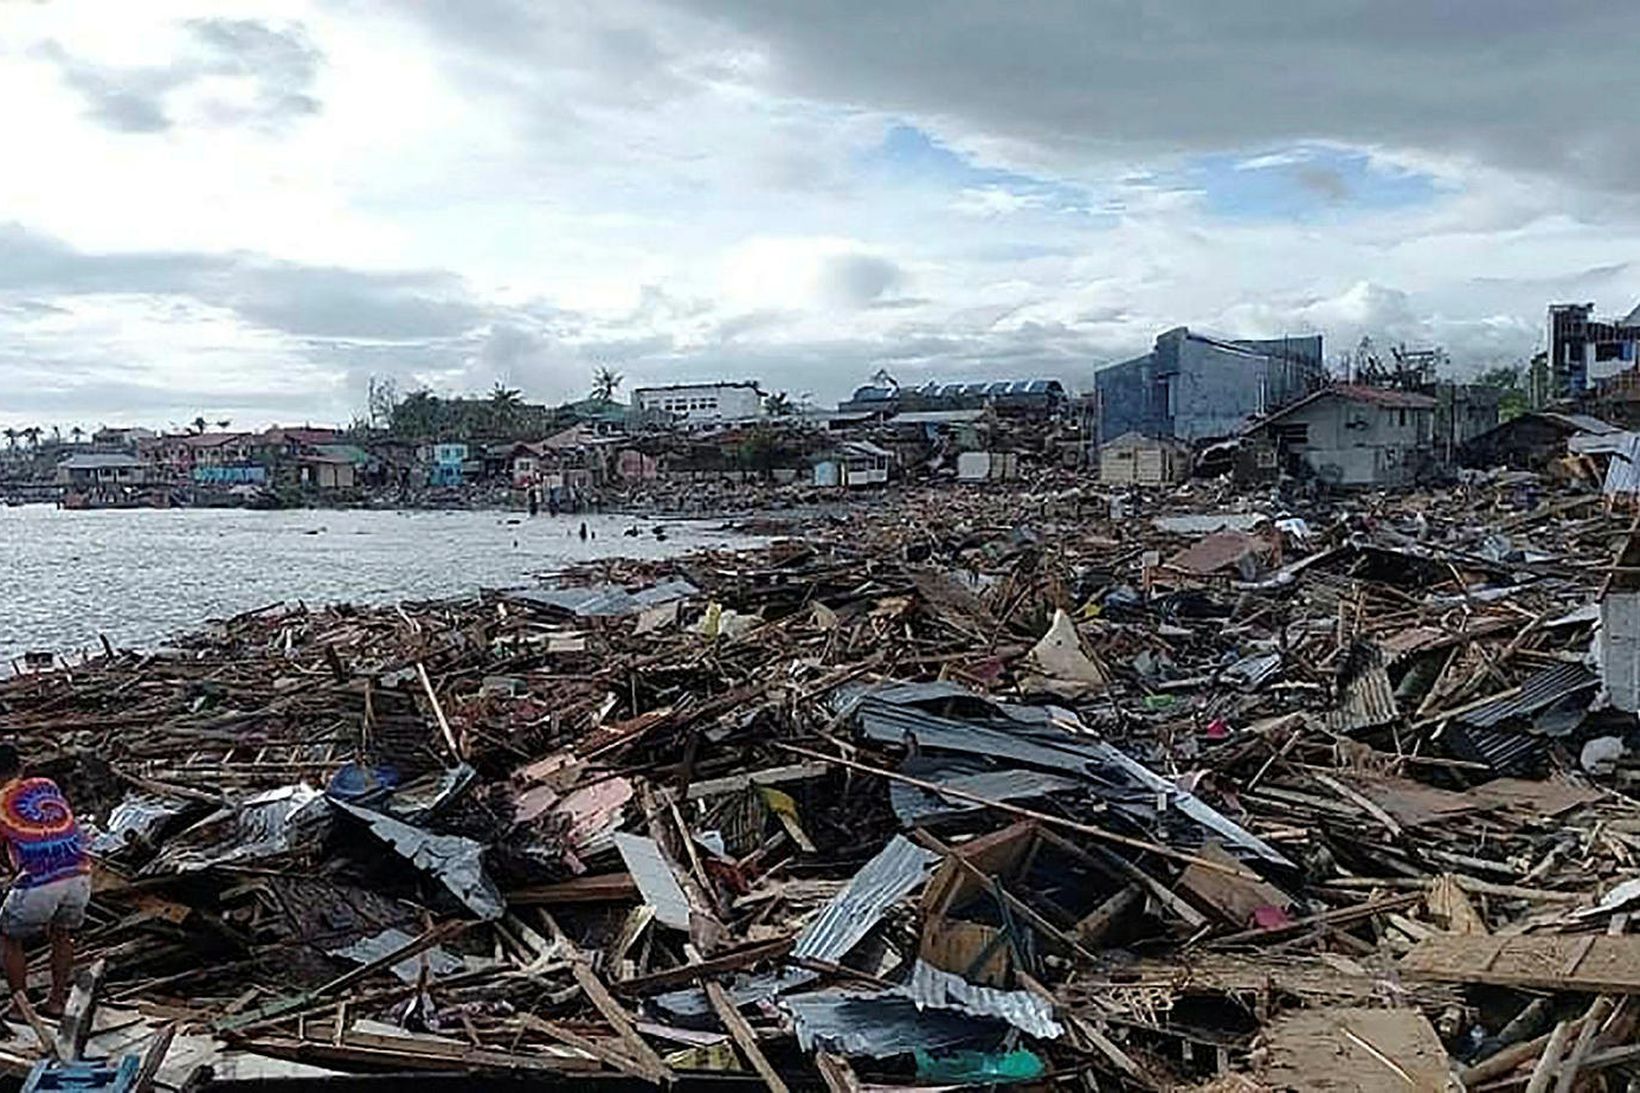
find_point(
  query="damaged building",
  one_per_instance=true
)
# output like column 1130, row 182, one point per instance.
column 1351, row 435
column 1584, row 350
column 1192, row 387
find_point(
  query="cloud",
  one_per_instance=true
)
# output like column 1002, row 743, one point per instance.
column 856, row 280
column 260, row 75
column 1512, row 83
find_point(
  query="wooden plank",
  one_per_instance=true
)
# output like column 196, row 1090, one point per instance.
column 75, row 1026
column 602, row 888
column 570, row 1038
column 734, row 960
column 1592, row 964
column 743, row 1035
column 634, row 1045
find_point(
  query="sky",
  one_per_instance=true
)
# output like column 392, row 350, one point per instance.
column 246, row 210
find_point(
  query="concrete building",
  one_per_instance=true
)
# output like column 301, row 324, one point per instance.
column 694, row 402
column 1584, row 350
column 1463, row 411
column 1350, row 435
column 1191, row 387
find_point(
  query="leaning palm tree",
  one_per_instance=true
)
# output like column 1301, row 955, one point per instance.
column 11, row 436
column 604, row 382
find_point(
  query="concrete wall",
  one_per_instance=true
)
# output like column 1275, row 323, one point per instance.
column 1620, row 648
column 1361, row 444
column 701, row 402
column 1194, row 388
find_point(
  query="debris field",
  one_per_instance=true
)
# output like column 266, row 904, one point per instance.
column 1026, row 785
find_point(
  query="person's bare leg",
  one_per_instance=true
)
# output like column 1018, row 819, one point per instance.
column 62, row 968
column 16, row 964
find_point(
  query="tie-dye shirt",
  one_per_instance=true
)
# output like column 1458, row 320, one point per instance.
column 40, row 834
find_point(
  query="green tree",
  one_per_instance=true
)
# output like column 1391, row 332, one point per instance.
column 604, row 383
column 505, row 406
column 1510, row 379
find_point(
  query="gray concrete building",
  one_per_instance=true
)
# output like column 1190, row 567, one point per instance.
column 1350, row 435
column 1192, row 387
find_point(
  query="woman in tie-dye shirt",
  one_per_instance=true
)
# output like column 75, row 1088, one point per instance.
column 51, row 884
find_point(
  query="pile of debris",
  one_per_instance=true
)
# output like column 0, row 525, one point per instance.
column 993, row 787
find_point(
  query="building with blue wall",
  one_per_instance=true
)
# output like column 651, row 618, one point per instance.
column 1191, row 387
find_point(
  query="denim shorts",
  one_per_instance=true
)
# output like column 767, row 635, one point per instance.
column 28, row 912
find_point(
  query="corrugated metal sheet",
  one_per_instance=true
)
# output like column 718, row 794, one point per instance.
column 656, row 882
column 1109, row 772
column 605, row 600
column 1623, row 472
column 931, row 988
column 898, row 869
column 914, row 805
column 880, row 1026
column 1540, row 691
column 1366, row 699
column 1504, row 752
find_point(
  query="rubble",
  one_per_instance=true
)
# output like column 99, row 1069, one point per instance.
column 1017, row 784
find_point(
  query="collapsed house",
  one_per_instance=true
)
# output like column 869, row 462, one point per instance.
column 1531, row 441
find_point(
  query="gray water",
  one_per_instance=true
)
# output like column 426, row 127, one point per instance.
column 141, row 575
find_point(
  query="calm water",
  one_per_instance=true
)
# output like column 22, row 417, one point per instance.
column 139, row 575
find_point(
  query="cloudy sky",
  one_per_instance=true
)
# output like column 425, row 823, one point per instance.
column 247, row 209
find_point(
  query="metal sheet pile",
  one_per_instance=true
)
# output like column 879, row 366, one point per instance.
column 1017, row 785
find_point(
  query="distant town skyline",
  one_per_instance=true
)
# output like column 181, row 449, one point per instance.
column 244, row 210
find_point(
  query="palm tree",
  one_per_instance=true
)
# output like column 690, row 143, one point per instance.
column 33, row 433
column 224, row 423
column 604, row 382
column 505, row 402
column 56, row 434
column 11, row 438
column 77, row 433
column 778, row 404
column 199, row 423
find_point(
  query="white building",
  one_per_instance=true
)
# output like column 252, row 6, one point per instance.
column 702, row 401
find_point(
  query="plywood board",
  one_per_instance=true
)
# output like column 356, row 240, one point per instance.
column 1356, row 1050
column 1579, row 962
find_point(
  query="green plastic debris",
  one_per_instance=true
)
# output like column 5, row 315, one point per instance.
column 1159, row 702
column 980, row 1066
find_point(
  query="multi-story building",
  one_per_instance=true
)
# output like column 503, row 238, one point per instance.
column 695, row 402
column 1584, row 350
column 1191, row 387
